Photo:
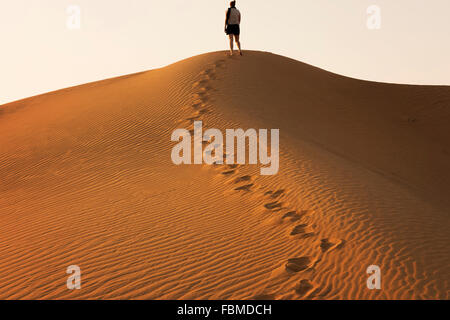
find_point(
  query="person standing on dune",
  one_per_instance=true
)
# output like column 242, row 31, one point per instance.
column 232, row 28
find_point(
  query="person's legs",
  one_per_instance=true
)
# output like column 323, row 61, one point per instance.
column 236, row 38
column 231, row 43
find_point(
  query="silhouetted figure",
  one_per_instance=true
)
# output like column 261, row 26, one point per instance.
column 232, row 28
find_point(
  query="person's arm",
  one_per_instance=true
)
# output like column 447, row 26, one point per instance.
column 239, row 17
column 226, row 18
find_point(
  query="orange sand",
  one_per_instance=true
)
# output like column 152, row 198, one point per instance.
column 86, row 178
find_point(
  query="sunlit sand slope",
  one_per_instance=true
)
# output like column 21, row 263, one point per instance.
column 86, row 179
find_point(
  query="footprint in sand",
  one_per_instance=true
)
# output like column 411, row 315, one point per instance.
column 302, row 230
column 193, row 118
column 228, row 172
column 198, row 104
column 307, row 289
column 299, row 229
column 304, row 287
column 201, row 100
column 243, row 179
column 327, row 245
column 292, row 215
column 205, row 90
column 188, row 123
column 199, row 95
column 203, row 111
column 202, row 82
column 207, row 72
column 219, row 63
column 298, row 264
column 244, row 188
column 209, row 76
column 274, row 206
column 224, row 166
column 277, row 194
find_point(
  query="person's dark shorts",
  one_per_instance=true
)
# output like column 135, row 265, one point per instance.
column 233, row 29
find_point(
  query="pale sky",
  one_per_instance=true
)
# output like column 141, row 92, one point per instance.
column 39, row 53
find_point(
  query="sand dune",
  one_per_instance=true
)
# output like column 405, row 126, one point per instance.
column 86, row 179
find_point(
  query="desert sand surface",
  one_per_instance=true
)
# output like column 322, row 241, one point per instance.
column 86, row 179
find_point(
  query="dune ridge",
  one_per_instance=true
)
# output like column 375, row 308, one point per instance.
column 87, row 179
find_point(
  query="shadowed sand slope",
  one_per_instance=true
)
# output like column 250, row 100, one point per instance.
column 86, row 179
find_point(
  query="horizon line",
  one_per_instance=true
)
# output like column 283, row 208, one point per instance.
column 2, row 104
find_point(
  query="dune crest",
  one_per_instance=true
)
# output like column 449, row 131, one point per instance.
column 87, row 180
